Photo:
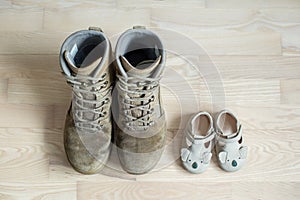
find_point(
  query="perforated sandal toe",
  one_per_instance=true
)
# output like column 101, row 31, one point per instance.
column 199, row 141
column 229, row 142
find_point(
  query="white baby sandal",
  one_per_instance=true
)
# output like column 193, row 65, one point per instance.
column 230, row 152
column 199, row 141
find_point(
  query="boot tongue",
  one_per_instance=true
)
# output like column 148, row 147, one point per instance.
column 80, row 70
column 86, row 70
column 144, row 68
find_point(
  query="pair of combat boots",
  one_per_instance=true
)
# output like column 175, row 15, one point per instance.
column 116, row 99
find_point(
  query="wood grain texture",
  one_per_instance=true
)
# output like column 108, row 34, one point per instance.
column 5, row 4
column 220, row 43
column 265, row 67
column 151, row 190
column 290, row 91
column 21, row 19
column 3, row 90
column 253, row 4
column 49, row 4
column 38, row 91
column 244, row 56
column 39, row 191
column 266, row 190
column 73, row 19
column 26, row 116
column 30, row 42
column 157, row 4
column 229, row 20
column 22, row 155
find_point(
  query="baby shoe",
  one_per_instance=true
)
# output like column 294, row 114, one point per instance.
column 230, row 151
column 199, row 139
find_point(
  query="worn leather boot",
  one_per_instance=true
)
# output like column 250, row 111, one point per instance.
column 139, row 116
column 84, row 59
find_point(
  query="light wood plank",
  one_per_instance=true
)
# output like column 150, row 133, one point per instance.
column 31, row 42
column 27, row 191
column 265, row 190
column 22, row 155
column 3, row 90
column 290, row 52
column 60, row 112
column 252, row 67
column 152, row 190
column 269, row 117
column 108, row 19
column 290, row 91
column 240, row 20
column 277, row 20
column 158, row 4
column 228, row 91
column 26, row 116
column 200, row 42
column 31, row 67
column 38, row 91
column 5, row 4
column 21, row 19
column 64, row 3
column 282, row 15
column 195, row 17
column 252, row 4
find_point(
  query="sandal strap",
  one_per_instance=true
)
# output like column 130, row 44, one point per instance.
column 217, row 123
column 197, row 138
column 235, row 138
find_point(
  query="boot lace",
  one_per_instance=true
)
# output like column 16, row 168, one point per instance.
column 90, row 98
column 139, row 98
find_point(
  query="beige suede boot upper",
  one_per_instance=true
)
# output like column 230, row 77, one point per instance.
column 84, row 59
column 140, row 118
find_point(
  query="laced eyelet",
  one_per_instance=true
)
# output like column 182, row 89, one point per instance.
column 104, row 75
column 150, row 123
column 151, row 111
column 152, row 98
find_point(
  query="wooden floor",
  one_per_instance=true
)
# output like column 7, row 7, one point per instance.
column 254, row 47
